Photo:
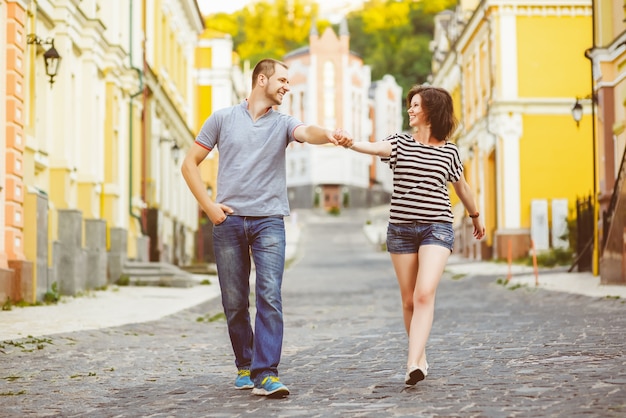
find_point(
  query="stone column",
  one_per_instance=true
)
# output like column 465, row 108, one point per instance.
column 118, row 253
column 96, row 250
column 69, row 256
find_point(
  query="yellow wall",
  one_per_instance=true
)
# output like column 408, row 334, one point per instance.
column 559, row 55
column 204, row 58
column 204, row 105
column 543, row 176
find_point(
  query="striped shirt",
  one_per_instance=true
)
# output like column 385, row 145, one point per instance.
column 420, row 179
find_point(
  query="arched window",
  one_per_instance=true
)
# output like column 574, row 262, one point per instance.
column 329, row 93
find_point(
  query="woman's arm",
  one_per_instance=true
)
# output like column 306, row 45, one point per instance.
column 379, row 148
column 466, row 195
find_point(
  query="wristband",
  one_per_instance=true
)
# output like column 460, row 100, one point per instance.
column 476, row 215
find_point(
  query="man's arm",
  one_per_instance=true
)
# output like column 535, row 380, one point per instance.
column 317, row 135
column 191, row 173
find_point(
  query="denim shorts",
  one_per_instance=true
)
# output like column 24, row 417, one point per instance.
column 406, row 238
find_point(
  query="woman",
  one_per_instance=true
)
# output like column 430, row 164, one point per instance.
column 419, row 235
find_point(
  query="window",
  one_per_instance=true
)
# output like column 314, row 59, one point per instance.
column 329, row 92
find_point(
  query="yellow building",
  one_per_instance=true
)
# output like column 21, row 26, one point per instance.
column 514, row 69
column 220, row 83
column 93, row 143
column 607, row 55
column 169, row 127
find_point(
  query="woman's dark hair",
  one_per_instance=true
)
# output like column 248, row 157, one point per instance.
column 438, row 108
column 267, row 67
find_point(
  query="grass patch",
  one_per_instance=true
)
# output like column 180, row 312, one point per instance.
column 214, row 318
column 124, row 280
column 504, row 283
column 11, row 393
column 27, row 346
column 551, row 258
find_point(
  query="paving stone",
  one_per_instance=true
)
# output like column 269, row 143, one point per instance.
column 493, row 352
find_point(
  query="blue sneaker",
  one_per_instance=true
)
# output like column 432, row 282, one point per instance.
column 271, row 387
column 243, row 380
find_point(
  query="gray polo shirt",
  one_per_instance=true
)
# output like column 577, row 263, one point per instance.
column 251, row 176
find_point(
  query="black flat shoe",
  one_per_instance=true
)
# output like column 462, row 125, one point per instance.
column 415, row 374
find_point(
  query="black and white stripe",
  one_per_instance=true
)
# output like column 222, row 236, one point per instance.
column 420, row 178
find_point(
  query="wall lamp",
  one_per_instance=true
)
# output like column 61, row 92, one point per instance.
column 51, row 57
column 175, row 148
column 577, row 109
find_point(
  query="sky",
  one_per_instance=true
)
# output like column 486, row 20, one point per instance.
column 229, row 6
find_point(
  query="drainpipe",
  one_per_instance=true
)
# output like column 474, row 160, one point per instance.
column 596, row 210
column 130, row 123
column 492, row 86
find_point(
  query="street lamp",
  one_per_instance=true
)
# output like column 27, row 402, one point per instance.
column 51, row 57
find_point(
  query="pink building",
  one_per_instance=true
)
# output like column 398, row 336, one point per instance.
column 332, row 87
column 15, row 271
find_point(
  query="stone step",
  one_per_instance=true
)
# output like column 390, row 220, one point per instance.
column 136, row 273
column 160, row 281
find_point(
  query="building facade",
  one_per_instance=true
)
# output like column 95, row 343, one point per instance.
column 13, row 21
column 222, row 81
column 514, row 69
column 169, row 127
column 99, row 99
column 607, row 58
column 331, row 87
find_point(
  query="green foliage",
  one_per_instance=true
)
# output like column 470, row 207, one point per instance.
column 551, row 258
column 391, row 36
column 27, row 345
column 268, row 28
column 212, row 318
column 52, row 296
column 334, row 210
column 124, row 280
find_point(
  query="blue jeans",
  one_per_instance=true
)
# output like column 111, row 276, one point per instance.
column 233, row 240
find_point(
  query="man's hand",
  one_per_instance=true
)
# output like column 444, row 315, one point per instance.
column 217, row 213
column 343, row 138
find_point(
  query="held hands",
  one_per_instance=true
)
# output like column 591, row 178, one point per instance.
column 342, row 138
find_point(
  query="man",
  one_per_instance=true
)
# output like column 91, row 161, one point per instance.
column 248, row 216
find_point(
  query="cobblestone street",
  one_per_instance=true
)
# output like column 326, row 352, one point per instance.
column 493, row 351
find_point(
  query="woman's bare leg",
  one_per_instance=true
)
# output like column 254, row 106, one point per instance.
column 432, row 262
column 406, row 267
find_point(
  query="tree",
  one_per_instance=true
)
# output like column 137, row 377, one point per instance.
column 391, row 36
column 268, row 28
